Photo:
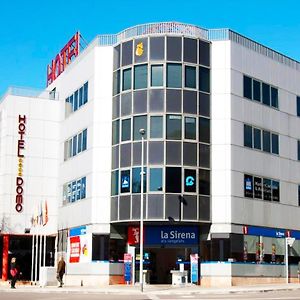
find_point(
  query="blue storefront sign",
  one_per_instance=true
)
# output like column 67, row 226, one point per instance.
column 78, row 231
column 171, row 235
column 268, row 232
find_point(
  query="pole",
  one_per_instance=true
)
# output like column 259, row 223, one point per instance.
column 44, row 253
column 287, row 260
column 40, row 255
column 32, row 257
column 36, row 257
column 142, row 132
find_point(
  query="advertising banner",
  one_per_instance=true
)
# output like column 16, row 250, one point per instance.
column 79, row 242
column 127, row 267
column 194, row 268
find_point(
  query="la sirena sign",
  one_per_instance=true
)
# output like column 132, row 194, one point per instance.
column 63, row 58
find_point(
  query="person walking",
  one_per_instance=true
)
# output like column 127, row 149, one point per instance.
column 13, row 272
column 61, row 269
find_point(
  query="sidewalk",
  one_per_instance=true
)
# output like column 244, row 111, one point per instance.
column 151, row 289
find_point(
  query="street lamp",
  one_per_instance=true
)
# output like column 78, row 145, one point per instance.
column 142, row 133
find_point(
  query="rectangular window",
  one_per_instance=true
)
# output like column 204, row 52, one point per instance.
column 204, row 182
column 204, row 130
column 190, row 128
column 156, row 127
column 139, row 122
column 79, row 142
column 157, row 78
column 85, row 92
column 70, row 147
column 115, row 183
column 190, row 77
column 257, row 138
column 125, row 181
column 247, row 136
column 298, row 156
column 156, row 180
column 247, row 87
column 116, row 82
column 83, row 187
column 75, row 101
column 190, row 181
column 173, row 180
column 78, row 192
column 266, row 141
column 115, row 132
column 298, row 106
column 136, row 180
column 204, row 79
column 173, row 127
column 84, row 139
column 100, row 247
column 126, row 80
column 274, row 97
column 126, row 130
column 267, row 189
column 266, row 94
column 256, row 90
column 248, row 186
column 140, row 77
column 81, row 96
column 74, row 152
column 257, row 187
column 298, row 195
column 71, row 101
column 174, row 75
column 275, row 191
column 275, row 143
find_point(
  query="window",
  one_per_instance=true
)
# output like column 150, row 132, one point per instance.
column 257, row 138
column 266, row 141
column 190, row 128
column 126, row 130
column 247, row 136
column 190, row 181
column 136, row 180
column 298, row 156
column 84, row 139
column 78, row 98
column 298, row 195
column 257, row 187
column 274, row 97
column 157, row 48
column 140, row 76
column 190, row 77
column 115, row 183
column 155, row 180
column 275, row 190
column 275, row 144
column 247, row 87
column 204, row 130
column 125, row 181
column 174, row 75
column 173, row 127
column 298, row 106
column 190, row 50
column 204, row 80
column 256, row 90
column 266, row 94
column 267, row 189
column 173, row 180
column 75, row 107
column 157, row 75
column 248, row 186
column 204, row 182
column 126, row 79
column 74, row 190
column 75, row 144
column 116, row 82
column 74, row 152
column 139, row 122
column 100, row 247
column 174, row 48
column 85, row 92
column 204, row 53
column 156, row 127
column 115, row 132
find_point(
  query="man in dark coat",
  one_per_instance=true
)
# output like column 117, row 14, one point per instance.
column 13, row 272
column 61, row 269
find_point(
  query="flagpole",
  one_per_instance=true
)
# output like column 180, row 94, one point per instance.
column 32, row 257
column 36, row 252
column 40, row 253
column 44, row 256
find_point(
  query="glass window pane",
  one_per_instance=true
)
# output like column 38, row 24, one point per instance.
column 190, row 50
column 204, row 153
column 136, row 180
column 204, row 130
column 190, row 102
column 257, row 138
column 80, row 96
column 204, row 53
column 126, row 79
column 247, row 87
column 204, row 182
column 248, row 186
column 156, row 100
column 140, row 76
column 173, row 101
column 116, row 82
column 274, row 97
column 204, row 104
column 267, row 189
column 256, row 90
column 115, row 157
column 84, row 139
column 266, row 94
column 74, row 145
column 174, row 48
column 85, row 92
column 70, row 147
column 257, row 187
column 156, row 127
column 116, row 107
column 189, row 207
column 190, row 181
column 71, row 102
column 155, row 206
column 204, row 80
column 157, row 75
column 139, row 122
column 298, row 150
column 125, row 181
column 115, row 132
column 115, row 183
column 275, row 144
column 173, row 153
column 125, row 155
column 157, row 48
column 140, row 101
column 247, row 136
column 190, row 77
column 79, row 146
column 298, row 106
column 190, row 128
column 156, row 179
column 173, row 180
column 127, row 53
column 75, row 107
column 173, row 127
column 174, row 75
column 190, row 154
column 156, row 153
column 126, row 130
column 275, row 191
column 204, row 208
column 126, row 104
column 117, row 57
column 141, row 50
column 266, row 141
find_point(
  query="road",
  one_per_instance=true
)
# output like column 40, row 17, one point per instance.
column 36, row 295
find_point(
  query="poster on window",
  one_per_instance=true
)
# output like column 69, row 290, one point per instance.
column 248, row 186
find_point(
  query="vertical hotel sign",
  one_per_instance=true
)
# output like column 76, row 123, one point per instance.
column 63, row 58
column 20, row 149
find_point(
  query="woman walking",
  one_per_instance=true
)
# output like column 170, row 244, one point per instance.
column 13, row 272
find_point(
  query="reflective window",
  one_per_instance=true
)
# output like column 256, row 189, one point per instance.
column 275, row 191
column 157, row 48
column 126, row 130
column 266, row 141
column 173, row 101
column 75, row 104
column 127, row 53
column 116, row 107
column 79, row 147
column 190, row 154
column 80, row 96
column 173, row 127
column 173, row 180
column 190, row 181
column 190, row 128
column 265, row 94
column 204, row 182
column 126, row 79
column 156, row 152
column 156, row 179
column 115, row 183
column 85, row 92
column 267, row 189
column 298, row 156
column 174, row 75
column 74, row 145
column 204, row 80
column 257, row 187
column 117, row 57
column 126, row 106
column 140, row 101
column 116, row 82
column 247, row 136
column 190, row 50
column 136, row 180
column 190, row 102
column 84, row 139
column 247, row 87
column 204, row 153
column 298, row 106
column 140, row 76
column 204, row 130
column 204, row 104
column 141, row 50
column 125, row 181
column 173, row 153
column 256, row 90
column 174, row 47
column 139, row 122
column 275, row 143
column 156, row 100
column 190, row 77
column 156, row 127
column 274, row 97
column 204, row 53
column 257, row 138
column 157, row 75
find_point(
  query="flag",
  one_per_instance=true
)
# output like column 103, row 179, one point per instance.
column 45, row 213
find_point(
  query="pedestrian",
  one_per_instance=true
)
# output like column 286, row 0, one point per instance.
column 61, row 269
column 13, row 272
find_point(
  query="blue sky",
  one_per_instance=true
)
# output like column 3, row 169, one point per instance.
column 32, row 32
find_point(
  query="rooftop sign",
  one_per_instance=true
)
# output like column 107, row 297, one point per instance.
column 63, row 58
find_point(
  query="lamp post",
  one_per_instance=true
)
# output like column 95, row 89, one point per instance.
column 142, row 133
